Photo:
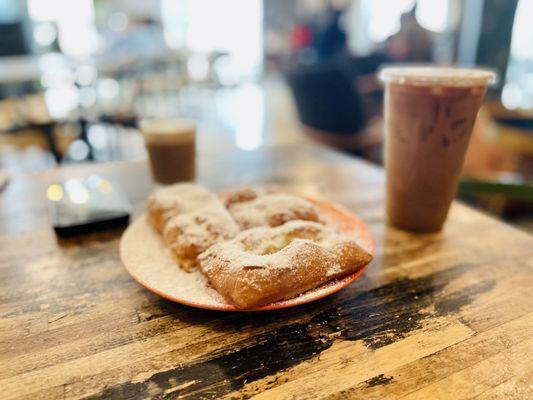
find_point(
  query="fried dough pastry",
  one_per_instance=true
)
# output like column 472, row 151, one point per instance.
column 265, row 264
column 189, row 234
column 191, row 219
column 252, row 209
column 177, row 199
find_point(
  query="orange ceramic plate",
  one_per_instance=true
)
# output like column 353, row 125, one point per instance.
column 149, row 262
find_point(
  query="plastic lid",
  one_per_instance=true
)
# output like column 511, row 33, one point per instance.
column 437, row 76
column 170, row 130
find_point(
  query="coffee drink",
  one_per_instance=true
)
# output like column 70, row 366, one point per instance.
column 429, row 116
column 171, row 149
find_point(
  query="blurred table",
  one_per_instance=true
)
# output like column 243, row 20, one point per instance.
column 20, row 69
column 434, row 316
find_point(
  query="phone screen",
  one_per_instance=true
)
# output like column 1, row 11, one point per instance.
column 85, row 205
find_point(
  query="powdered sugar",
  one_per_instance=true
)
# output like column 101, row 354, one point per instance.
column 202, row 227
column 184, row 196
column 270, row 209
column 265, row 248
column 175, row 199
column 334, row 270
column 149, row 261
column 191, row 219
column 265, row 264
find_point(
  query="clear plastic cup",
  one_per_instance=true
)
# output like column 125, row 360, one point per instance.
column 429, row 115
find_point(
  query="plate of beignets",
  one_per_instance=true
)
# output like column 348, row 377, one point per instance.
column 244, row 249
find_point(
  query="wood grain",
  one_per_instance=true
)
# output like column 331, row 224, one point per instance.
column 446, row 315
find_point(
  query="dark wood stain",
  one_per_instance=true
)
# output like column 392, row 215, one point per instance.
column 387, row 314
column 227, row 371
column 454, row 302
column 378, row 317
column 378, row 380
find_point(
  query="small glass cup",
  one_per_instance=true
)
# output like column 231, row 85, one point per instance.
column 171, row 146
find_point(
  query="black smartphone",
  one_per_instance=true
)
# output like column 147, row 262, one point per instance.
column 78, row 206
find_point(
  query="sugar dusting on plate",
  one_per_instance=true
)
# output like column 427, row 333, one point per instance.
column 149, row 261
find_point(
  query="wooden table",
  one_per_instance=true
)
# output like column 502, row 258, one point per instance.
column 434, row 316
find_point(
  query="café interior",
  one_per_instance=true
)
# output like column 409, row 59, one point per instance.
column 76, row 77
column 272, row 199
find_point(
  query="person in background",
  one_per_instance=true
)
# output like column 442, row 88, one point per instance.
column 143, row 39
column 301, row 37
column 331, row 39
column 412, row 43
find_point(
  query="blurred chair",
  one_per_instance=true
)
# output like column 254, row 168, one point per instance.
column 504, row 195
column 12, row 42
column 330, row 107
column 502, row 141
column 26, row 122
column 498, row 170
column 326, row 100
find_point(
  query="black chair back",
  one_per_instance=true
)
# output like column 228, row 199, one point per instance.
column 326, row 99
column 12, row 41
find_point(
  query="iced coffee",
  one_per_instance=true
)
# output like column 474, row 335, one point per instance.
column 429, row 116
column 171, row 149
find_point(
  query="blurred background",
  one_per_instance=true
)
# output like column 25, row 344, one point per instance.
column 76, row 76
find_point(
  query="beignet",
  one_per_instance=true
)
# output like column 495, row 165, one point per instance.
column 265, row 264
